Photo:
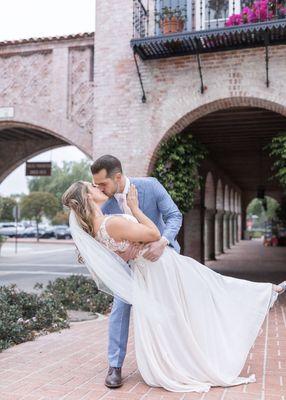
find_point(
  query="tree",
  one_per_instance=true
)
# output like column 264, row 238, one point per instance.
column 62, row 177
column 61, row 218
column 6, row 208
column 255, row 207
column 38, row 204
column 278, row 151
column 272, row 206
column 281, row 211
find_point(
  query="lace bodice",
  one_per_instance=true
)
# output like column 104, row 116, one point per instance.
column 103, row 237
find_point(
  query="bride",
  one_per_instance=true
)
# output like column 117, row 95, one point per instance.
column 193, row 327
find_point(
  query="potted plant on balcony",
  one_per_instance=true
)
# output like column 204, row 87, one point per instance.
column 172, row 20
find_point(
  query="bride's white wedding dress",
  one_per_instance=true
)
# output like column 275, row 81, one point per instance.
column 213, row 321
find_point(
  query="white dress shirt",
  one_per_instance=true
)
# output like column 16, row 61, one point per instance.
column 122, row 202
column 122, row 199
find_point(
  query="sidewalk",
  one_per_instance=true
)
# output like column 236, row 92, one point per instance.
column 72, row 365
column 41, row 241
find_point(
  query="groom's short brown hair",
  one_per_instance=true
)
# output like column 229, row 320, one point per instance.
column 110, row 163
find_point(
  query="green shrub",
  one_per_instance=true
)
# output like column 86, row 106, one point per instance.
column 78, row 292
column 24, row 316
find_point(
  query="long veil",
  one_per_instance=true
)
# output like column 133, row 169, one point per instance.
column 112, row 275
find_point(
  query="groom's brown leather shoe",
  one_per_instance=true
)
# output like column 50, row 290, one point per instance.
column 113, row 379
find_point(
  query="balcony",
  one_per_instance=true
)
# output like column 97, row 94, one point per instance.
column 170, row 28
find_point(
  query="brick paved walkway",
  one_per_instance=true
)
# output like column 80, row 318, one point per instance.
column 72, row 364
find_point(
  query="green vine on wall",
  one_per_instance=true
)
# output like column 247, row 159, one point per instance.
column 277, row 149
column 177, row 167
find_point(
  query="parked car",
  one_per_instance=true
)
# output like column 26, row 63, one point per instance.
column 49, row 232
column 31, row 232
column 9, row 229
column 62, row 232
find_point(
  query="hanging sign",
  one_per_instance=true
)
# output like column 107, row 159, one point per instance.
column 38, row 168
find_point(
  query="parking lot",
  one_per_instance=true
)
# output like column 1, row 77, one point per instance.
column 37, row 262
column 26, row 230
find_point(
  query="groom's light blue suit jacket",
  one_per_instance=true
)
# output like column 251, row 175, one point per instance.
column 157, row 204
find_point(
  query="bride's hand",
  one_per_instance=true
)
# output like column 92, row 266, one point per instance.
column 132, row 198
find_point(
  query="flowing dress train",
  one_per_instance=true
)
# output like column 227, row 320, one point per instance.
column 209, row 328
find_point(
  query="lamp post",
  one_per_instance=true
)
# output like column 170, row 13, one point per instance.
column 16, row 215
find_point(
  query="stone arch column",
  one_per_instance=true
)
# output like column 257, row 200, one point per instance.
column 226, row 216
column 219, row 219
column 235, row 218
column 239, row 222
column 192, row 232
column 231, row 219
column 209, row 219
column 235, row 236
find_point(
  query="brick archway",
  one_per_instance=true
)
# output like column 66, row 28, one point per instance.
column 48, row 86
column 233, row 149
column 27, row 138
column 203, row 110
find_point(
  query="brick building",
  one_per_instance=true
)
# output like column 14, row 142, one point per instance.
column 230, row 95
column 226, row 85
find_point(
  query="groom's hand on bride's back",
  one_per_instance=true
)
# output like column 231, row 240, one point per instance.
column 155, row 249
column 131, row 252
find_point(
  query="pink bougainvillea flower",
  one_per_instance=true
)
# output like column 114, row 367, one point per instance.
column 248, row 15
column 259, row 10
column 282, row 12
column 234, row 19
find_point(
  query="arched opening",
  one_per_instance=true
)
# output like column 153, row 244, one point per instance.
column 20, row 142
column 262, row 221
column 236, row 133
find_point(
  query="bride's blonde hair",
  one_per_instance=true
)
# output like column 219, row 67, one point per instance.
column 76, row 198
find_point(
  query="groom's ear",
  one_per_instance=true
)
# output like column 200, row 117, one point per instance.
column 118, row 176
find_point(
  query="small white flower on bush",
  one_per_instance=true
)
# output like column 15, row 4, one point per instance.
column 20, row 320
column 34, row 319
column 55, row 325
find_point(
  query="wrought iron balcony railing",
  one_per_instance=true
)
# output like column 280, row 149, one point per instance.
column 165, row 28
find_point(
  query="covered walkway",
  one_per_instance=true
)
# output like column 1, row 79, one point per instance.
column 249, row 259
column 71, row 365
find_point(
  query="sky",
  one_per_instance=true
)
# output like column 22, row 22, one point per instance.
column 23, row 19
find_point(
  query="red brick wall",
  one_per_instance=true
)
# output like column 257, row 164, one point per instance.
column 132, row 130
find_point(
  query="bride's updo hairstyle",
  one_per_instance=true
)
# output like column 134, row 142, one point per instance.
column 76, row 198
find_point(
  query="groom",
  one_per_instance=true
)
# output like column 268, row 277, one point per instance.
column 157, row 204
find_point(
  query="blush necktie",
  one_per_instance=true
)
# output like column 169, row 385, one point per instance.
column 122, row 202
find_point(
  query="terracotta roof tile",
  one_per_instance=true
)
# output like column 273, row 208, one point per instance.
column 47, row 39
